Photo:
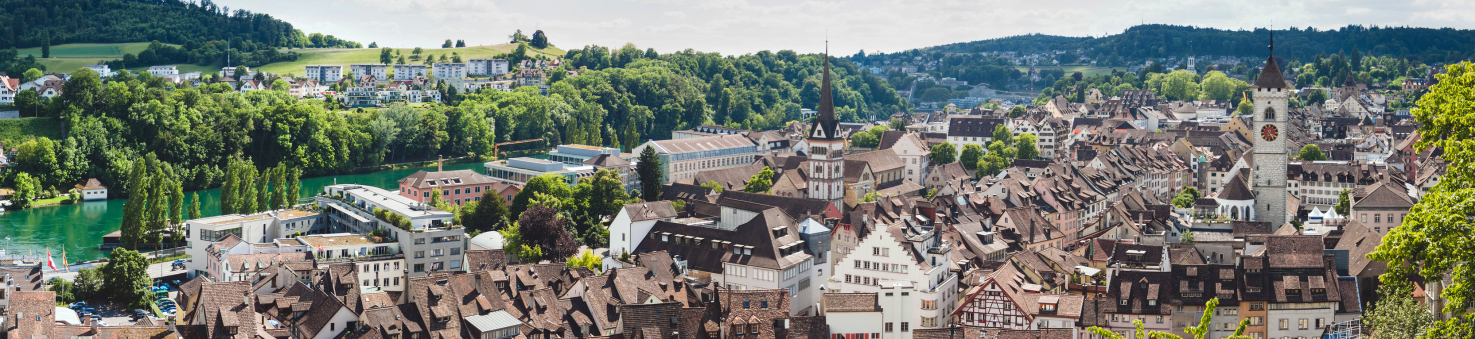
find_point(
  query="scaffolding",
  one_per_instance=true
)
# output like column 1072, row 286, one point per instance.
column 1351, row 329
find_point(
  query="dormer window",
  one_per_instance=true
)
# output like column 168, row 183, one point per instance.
column 1293, row 291
column 1047, row 308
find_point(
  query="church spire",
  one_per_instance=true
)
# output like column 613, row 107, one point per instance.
column 825, row 125
column 1270, row 76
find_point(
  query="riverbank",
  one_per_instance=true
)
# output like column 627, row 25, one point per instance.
column 80, row 227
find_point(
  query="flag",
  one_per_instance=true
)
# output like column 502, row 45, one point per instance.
column 64, row 259
column 50, row 263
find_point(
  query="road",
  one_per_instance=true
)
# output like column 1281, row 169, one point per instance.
column 155, row 271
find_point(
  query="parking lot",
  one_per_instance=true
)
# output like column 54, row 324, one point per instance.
column 113, row 315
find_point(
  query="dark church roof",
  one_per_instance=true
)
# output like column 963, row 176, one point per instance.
column 825, row 127
column 1270, row 76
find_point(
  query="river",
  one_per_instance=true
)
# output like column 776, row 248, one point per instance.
column 80, row 227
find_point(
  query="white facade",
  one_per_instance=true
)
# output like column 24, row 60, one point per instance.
column 95, row 194
column 870, row 324
column 377, row 70
column 324, row 74
column 625, row 235
column 102, row 70
column 1294, row 320
column 899, row 308
column 409, row 72
column 913, row 152
column 449, row 70
column 880, row 258
column 486, row 66
column 163, row 70
column 800, row 279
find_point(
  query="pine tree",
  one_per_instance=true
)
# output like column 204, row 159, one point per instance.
column 649, row 170
column 227, row 190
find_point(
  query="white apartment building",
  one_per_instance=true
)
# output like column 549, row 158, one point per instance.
column 8, row 88
column 164, row 70
column 231, row 71
column 487, row 66
column 885, row 257
column 429, row 243
column 683, row 158
column 899, row 308
column 379, row 71
column 449, row 70
column 258, row 228
column 410, row 71
column 324, row 74
column 854, row 315
column 102, row 70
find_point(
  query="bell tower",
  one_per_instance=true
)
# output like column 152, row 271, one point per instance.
column 826, row 146
column 1270, row 154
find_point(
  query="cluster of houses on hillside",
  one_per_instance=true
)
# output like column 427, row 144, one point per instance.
column 359, row 85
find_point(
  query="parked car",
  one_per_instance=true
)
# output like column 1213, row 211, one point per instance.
column 78, row 305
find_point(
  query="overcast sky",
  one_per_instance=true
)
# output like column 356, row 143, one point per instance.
column 747, row 26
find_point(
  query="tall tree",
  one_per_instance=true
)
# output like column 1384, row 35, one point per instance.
column 544, row 228
column 294, row 186
column 943, row 154
column 491, row 211
column 279, row 186
column 649, row 170
column 1002, row 133
column 194, row 206
column 972, row 153
column 126, row 278
column 1026, row 148
column 601, row 195
column 134, row 213
column 446, row 44
column 1312, row 152
column 1397, row 315
column 1434, row 240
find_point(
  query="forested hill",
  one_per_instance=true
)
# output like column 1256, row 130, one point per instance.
column 29, row 23
column 1159, row 41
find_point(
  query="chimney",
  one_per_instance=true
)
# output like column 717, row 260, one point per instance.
column 170, row 321
column 439, row 164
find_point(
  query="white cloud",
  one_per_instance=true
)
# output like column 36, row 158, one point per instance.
column 747, row 26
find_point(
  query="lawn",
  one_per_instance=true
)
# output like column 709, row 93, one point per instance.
column 15, row 131
column 345, row 57
column 69, row 57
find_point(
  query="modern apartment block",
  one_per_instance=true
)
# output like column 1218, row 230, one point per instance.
column 486, row 66
column 449, row 70
column 430, row 242
column 323, row 73
column 410, row 71
column 379, row 71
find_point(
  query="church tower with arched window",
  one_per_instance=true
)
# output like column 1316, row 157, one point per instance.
column 1270, row 154
column 826, row 146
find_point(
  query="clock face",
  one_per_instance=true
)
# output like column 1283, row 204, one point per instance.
column 1269, row 133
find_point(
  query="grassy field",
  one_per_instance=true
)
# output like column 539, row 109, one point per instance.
column 1069, row 69
column 345, row 57
column 69, row 57
column 15, row 131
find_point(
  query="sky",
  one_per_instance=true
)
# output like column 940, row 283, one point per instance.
column 748, row 26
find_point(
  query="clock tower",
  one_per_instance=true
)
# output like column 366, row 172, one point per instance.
column 826, row 146
column 1270, row 155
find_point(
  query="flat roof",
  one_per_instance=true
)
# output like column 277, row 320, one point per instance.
column 392, row 201
column 239, row 218
column 341, row 239
column 294, row 214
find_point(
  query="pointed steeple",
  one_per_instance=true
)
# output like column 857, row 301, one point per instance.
column 826, row 124
column 1270, row 76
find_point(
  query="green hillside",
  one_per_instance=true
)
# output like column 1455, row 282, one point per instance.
column 15, row 131
column 69, row 57
column 345, row 57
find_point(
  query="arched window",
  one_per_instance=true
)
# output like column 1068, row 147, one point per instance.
column 1269, row 114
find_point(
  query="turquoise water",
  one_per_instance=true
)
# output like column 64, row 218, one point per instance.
column 80, row 227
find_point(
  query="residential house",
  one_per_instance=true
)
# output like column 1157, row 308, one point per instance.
column 456, row 187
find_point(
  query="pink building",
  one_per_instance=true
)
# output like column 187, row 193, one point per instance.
column 457, row 187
